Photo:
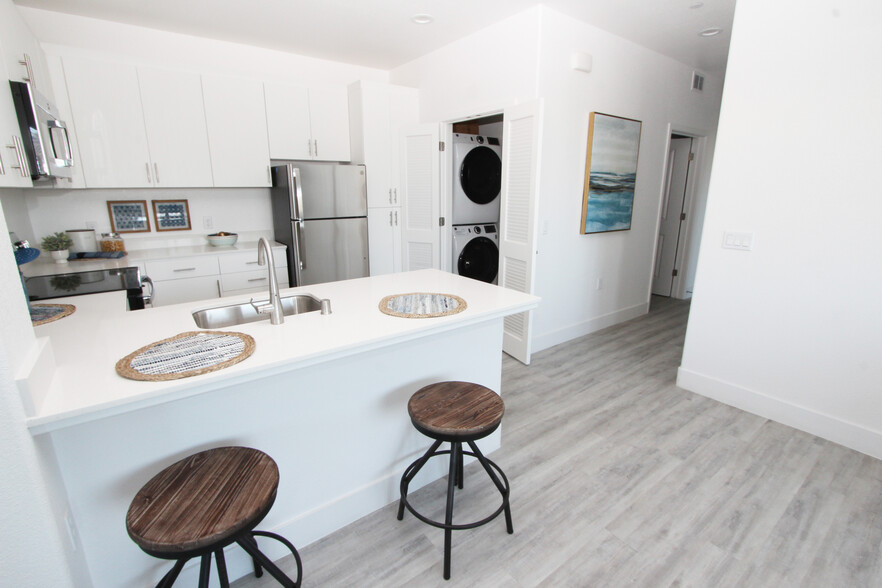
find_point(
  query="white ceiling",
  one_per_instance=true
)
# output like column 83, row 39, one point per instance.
column 380, row 34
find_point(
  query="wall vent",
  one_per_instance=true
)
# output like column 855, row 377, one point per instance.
column 697, row 81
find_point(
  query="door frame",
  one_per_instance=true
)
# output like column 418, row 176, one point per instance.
column 683, row 258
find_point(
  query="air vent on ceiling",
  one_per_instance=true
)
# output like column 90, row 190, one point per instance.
column 697, row 81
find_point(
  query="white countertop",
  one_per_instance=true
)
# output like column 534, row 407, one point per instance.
column 45, row 266
column 87, row 344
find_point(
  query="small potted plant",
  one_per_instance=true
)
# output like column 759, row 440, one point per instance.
column 57, row 245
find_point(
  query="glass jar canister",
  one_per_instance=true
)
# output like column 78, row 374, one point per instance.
column 112, row 242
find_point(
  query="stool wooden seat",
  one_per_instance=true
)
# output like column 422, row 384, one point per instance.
column 204, row 502
column 456, row 412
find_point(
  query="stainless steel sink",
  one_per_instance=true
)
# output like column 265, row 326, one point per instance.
column 237, row 314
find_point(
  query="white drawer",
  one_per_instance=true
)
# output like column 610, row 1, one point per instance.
column 251, row 280
column 243, row 261
column 182, row 267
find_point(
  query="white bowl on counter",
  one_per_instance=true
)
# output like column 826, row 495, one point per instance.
column 223, row 240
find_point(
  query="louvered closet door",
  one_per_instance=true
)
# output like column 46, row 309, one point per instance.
column 420, row 162
column 518, row 217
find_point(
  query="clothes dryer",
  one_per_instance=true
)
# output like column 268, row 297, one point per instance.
column 477, row 179
column 476, row 252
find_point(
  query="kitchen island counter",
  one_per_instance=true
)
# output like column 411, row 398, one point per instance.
column 324, row 395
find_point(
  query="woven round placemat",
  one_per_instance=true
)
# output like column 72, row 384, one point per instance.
column 187, row 354
column 47, row 313
column 422, row 305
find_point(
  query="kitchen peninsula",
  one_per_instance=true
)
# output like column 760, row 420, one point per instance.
column 324, row 395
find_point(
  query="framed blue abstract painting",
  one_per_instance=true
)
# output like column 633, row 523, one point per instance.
column 610, row 173
column 128, row 216
column 171, row 215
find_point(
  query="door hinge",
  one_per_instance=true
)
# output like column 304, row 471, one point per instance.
column 674, row 273
column 440, row 145
column 691, row 156
column 441, row 221
column 682, row 216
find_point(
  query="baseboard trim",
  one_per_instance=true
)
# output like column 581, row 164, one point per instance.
column 851, row 435
column 547, row 340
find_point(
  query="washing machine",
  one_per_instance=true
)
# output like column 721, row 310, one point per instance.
column 477, row 179
column 476, row 252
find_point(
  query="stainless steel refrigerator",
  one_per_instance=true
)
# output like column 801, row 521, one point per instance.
column 320, row 213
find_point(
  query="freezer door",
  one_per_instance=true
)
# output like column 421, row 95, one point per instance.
column 333, row 249
column 331, row 190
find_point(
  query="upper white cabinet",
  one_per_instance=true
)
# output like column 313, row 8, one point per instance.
column 175, row 123
column 378, row 111
column 307, row 123
column 105, row 102
column 22, row 54
column 14, row 172
column 237, row 131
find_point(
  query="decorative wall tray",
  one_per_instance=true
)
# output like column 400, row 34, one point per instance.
column 422, row 305
column 188, row 354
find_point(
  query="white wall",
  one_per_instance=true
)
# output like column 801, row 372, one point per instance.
column 528, row 56
column 793, row 329
column 15, row 210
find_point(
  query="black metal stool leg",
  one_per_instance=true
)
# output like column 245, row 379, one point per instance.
column 455, row 456
column 205, row 571
column 459, row 474
column 172, row 575
column 221, row 564
column 258, row 571
column 502, row 489
column 287, row 544
column 267, row 563
column 412, row 471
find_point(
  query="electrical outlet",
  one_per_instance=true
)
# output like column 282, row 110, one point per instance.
column 742, row 241
column 207, row 222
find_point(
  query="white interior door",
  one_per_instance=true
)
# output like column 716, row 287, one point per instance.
column 420, row 183
column 671, row 216
column 518, row 217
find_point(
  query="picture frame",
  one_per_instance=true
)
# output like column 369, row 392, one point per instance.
column 171, row 215
column 610, row 173
column 128, row 216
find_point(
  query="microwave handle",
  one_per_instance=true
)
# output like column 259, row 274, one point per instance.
column 68, row 152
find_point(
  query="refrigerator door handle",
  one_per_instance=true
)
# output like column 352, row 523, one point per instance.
column 298, row 242
column 297, row 200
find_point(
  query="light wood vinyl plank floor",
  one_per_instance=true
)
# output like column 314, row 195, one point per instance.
column 619, row 478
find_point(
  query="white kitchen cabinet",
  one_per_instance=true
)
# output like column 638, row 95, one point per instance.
column 235, row 114
column 378, row 111
column 105, row 102
column 174, row 119
column 14, row 171
column 384, row 239
column 22, row 54
column 240, row 273
column 167, row 292
column 307, row 123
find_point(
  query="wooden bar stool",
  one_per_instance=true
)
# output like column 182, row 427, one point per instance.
column 456, row 412
column 201, row 504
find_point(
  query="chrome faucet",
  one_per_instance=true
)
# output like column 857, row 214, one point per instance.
column 274, row 305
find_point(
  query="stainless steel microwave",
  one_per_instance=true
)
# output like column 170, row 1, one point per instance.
column 44, row 134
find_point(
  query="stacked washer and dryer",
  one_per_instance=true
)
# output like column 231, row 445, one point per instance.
column 477, row 182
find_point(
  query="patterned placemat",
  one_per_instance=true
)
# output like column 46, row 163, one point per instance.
column 184, row 355
column 422, row 305
column 46, row 313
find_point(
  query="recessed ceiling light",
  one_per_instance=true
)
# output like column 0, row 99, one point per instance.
column 422, row 18
column 711, row 32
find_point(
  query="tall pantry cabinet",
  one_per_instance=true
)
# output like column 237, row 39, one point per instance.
column 377, row 111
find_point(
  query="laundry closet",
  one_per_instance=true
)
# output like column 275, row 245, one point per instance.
column 475, row 196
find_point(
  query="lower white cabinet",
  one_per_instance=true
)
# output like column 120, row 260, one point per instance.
column 384, row 239
column 240, row 274
column 167, row 292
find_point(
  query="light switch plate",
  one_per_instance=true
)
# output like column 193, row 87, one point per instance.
column 742, row 241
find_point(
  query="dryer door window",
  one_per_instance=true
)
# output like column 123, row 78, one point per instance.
column 481, row 175
column 479, row 260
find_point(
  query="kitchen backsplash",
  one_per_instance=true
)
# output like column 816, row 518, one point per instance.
column 32, row 214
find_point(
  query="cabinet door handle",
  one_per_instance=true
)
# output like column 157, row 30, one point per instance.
column 156, row 171
column 185, row 269
column 395, row 190
column 2, row 168
column 219, row 292
column 149, row 177
column 315, row 141
column 390, row 218
column 269, row 175
column 257, row 280
column 396, row 218
column 250, row 263
column 19, row 155
column 309, row 146
column 390, row 196
column 26, row 61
